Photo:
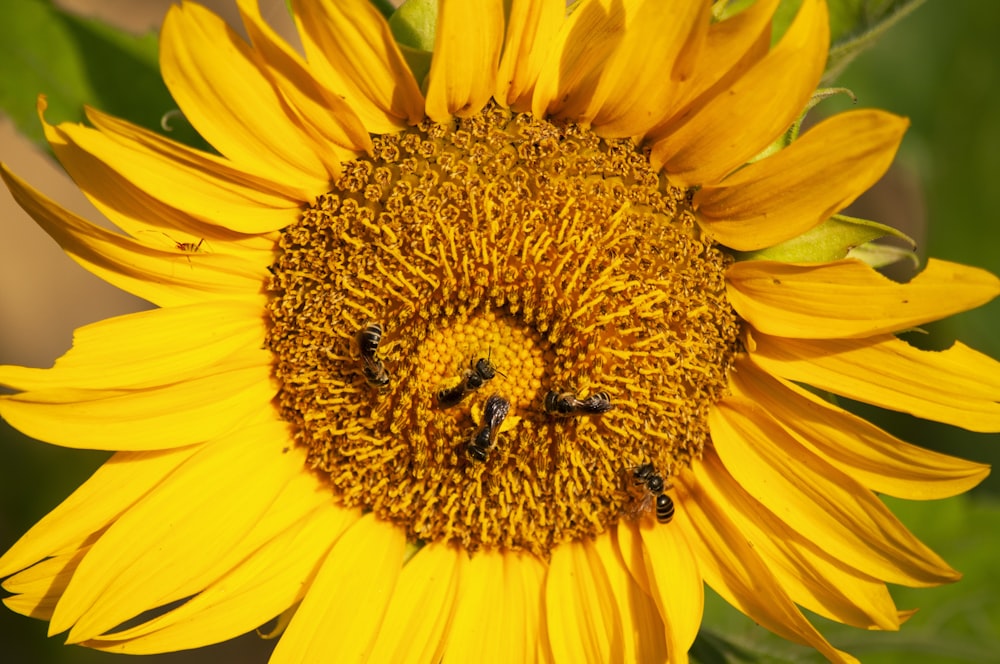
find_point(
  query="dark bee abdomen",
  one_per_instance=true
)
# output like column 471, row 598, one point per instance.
column 369, row 339
column 664, row 508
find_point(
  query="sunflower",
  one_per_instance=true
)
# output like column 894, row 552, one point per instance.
column 488, row 364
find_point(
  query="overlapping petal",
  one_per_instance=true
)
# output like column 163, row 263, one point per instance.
column 582, row 619
column 735, row 570
column 879, row 461
column 815, row 499
column 731, row 48
column 327, row 118
column 420, row 610
column 114, row 165
column 586, row 39
column 364, row 563
column 37, row 589
column 629, row 92
column 806, row 570
column 532, row 26
column 467, row 49
column 117, row 484
column 152, row 348
column 163, row 277
column 212, row 74
column 788, row 193
column 849, row 299
column 351, row 51
column 643, row 636
column 957, row 386
column 153, row 418
column 145, row 560
column 480, row 607
column 722, row 135
column 264, row 579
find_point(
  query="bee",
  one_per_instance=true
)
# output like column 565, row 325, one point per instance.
column 478, row 374
column 374, row 370
column 655, row 489
column 566, row 403
column 494, row 412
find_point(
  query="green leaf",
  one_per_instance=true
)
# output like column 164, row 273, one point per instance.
column 76, row 61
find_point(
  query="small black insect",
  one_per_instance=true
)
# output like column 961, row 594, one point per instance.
column 494, row 412
column 647, row 477
column 566, row 403
column 374, row 370
column 478, row 374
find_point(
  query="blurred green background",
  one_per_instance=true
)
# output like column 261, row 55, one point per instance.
column 940, row 67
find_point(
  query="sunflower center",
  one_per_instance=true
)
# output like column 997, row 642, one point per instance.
column 488, row 325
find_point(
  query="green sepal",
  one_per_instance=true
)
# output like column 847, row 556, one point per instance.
column 723, row 9
column 414, row 24
column 384, row 7
column 419, row 63
column 832, row 240
column 882, row 255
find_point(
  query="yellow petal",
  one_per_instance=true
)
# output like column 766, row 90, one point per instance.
column 879, row 461
column 531, row 30
column 644, row 74
column 742, row 120
column 145, row 419
column 812, row 575
column 790, row 192
column 175, row 540
column 350, row 49
column 474, row 634
column 848, row 299
column 136, row 211
column 524, row 581
column 329, row 119
column 341, row 615
column 957, row 386
column 581, row 616
column 212, row 74
column 112, row 166
column 466, row 56
column 421, row 607
column 642, row 630
column 734, row 569
column 817, row 500
column 731, row 49
column 152, row 348
column 675, row 582
column 162, row 277
column 584, row 43
column 38, row 588
column 112, row 489
column 263, row 584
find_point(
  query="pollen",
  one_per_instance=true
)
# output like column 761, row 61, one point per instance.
column 426, row 311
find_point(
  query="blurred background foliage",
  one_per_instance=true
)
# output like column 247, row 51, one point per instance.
column 938, row 65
